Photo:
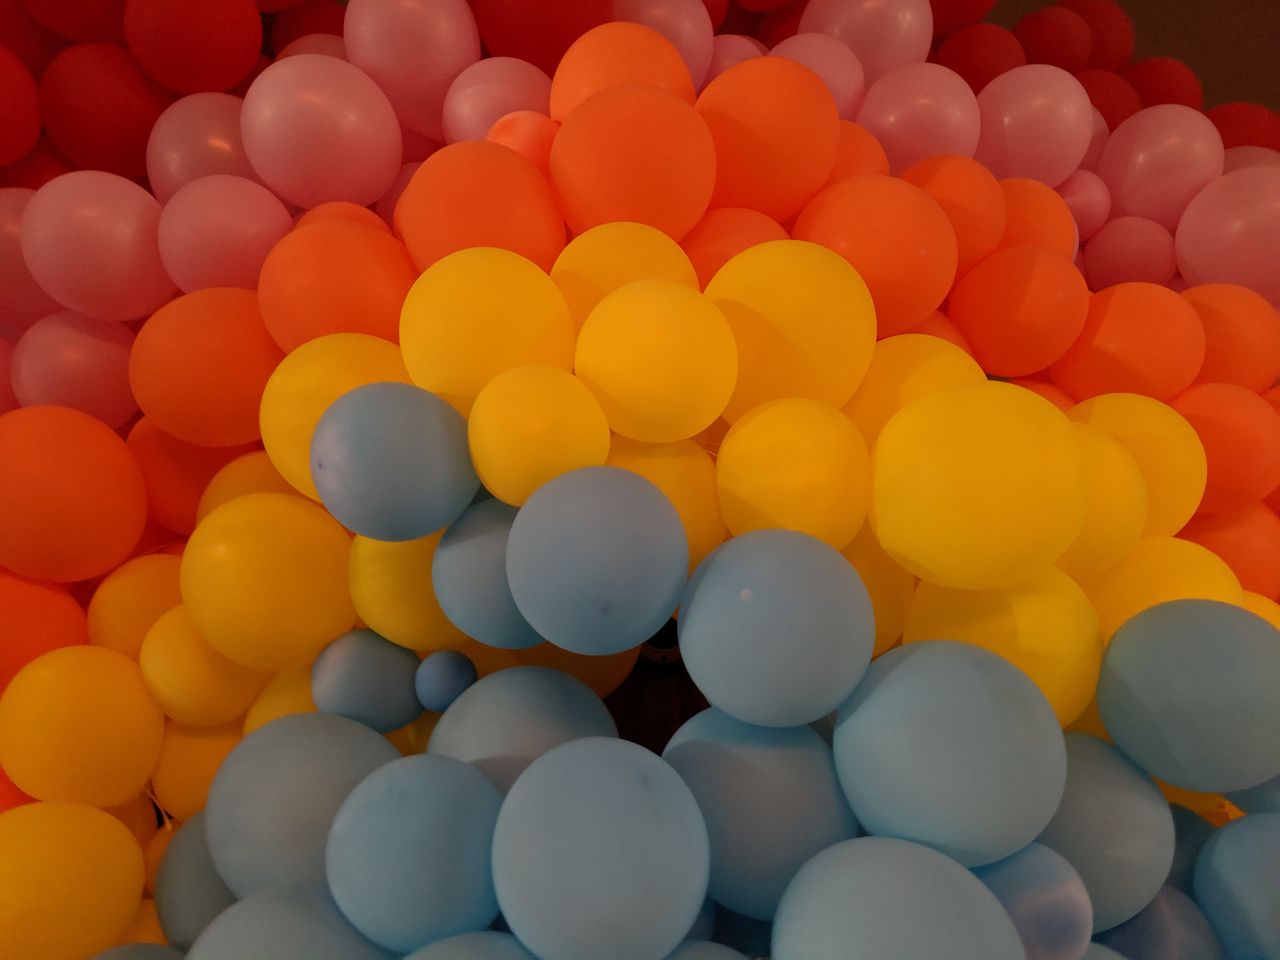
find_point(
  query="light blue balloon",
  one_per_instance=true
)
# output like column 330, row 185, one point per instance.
column 1045, row 898
column 442, row 678
column 505, row 721
column 770, row 799
column 704, row 926
column 1181, row 680
column 1191, row 832
column 880, row 897
column 1097, row 951
column 189, row 891
column 705, row 950
column 408, row 853
column 1264, row 798
column 1237, row 884
column 391, row 462
column 140, row 951
column 469, row 573
column 475, row 946
column 776, row 628
column 596, row 560
column 1170, row 927
column 949, row 745
column 367, row 678
column 600, row 851
column 276, row 794
column 1114, row 827
column 745, row 934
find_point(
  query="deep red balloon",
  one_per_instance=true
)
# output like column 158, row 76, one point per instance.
column 1112, row 32
column 950, row 15
column 1112, row 94
column 1165, row 80
column 35, row 169
column 1247, row 125
column 19, row 109
column 80, row 21
column 717, row 10
column 1056, row 36
column 30, row 42
column 780, row 24
column 193, row 46
column 311, row 16
column 980, row 53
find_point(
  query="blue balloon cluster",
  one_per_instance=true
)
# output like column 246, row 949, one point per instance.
column 367, row 678
column 1237, row 884
column 442, row 678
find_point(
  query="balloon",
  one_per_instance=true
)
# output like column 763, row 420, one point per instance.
column 366, row 678
column 730, row 49
column 300, row 18
column 529, row 134
column 22, row 300
column 1036, row 123
column 441, row 678
column 1191, row 833
column 189, row 892
column 883, row 36
column 1228, row 231
column 970, row 197
column 328, row 44
column 981, row 52
column 950, row 15
column 1165, row 80
column 614, row 55
column 1112, row 32
column 1057, row 36
column 388, row 588
column 481, row 945
column 1171, row 925
column 1246, row 124
column 1036, row 214
column 1111, row 95
column 39, row 617
column 286, row 694
column 71, row 361
column 188, row 763
column 834, row 62
column 1127, row 250
column 1088, row 199
column 704, row 950
column 131, row 599
column 21, row 104
column 194, row 47
column 920, row 110
column 1264, row 798
column 1240, row 432
column 488, row 90
column 1233, row 884
column 1045, row 898
column 685, row 23
column 857, row 153
column 1097, row 142
column 140, row 951
column 1097, row 951
column 197, row 136
column 723, row 234
column 1116, row 503
column 889, row 586
column 175, row 472
column 1238, row 158
column 1241, row 336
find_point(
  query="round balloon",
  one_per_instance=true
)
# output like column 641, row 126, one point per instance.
column 1036, row 123
column 882, row 36
column 130, row 599
column 1171, row 925
column 189, row 893
column 387, row 587
column 1045, row 898
column 368, row 679
column 197, row 136
column 481, row 945
column 1226, row 229
column 441, row 678
column 1233, row 884
column 921, row 110
column 72, row 361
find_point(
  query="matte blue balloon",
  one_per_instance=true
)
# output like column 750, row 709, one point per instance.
column 391, row 462
column 365, row 677
column 469, row 573
column 189, row 892
column 776, row 628
column 505, row 721
column 770, row 799
column 880, row 897
column 475, row 946
column 1185, row 678
column 705, row 950
column 596, row 560
column 1114, row 827
column 745, row 934
column 276, row 794
column 1097, row 951
column 1170, row 927
column 442, row 678
column 600, row 851
column 1264, row 798
column 1191, row 832
column 1237, row 885
column 1045, row 898
column 949, row 745
column 140, row 951
column 704, row 926
column 408, row 853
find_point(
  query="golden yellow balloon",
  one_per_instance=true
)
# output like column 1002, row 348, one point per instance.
column 1263, row 607
column 264, row 579
column 795, row 464
column 287, row 693
column 1115, row 504
column 391, row 587
column 131, row 599
column 188, row 763
column 531, row 424
column 479, row 312
column 70, row 881
column 251, row 473
column 803, row 320
column 77, row 724
column 888, row 584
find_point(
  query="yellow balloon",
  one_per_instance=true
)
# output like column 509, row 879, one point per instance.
column 803, row 320
column 188, row 763
column 131, row 599
column 264, row 579
column 391, row 587
column 476, row 313
column 602, row 674
column 1165, row 448
column 531, row 424
column 797, row 464
column 977, row 487
column 1115, row 504
column 303, row 387
column 251, row 473
column 77, row 724
column 1263, row 607
column 888, row 584
column 145, row 927
column 1045, row 627
column 153, row 852
column 286, row 694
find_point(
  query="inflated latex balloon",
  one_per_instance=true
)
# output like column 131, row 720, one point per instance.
column 387, row 583
column 1096, row 951
column 1129, row 249
column 889, row 586
column 614, row 55
column 972, row 200
column 198, row 136
column 1116, row 503
column 1088, row 199
column 1038, row 215
column 528, row 134
column 980, row 52
column 1240, row 432
column 21, row 103
column 857, row 153
column 368, row 679
column 921, row 110
column 328, row 44
column 131, row 599
column 723, row 234
column 685, row 24
column 486, row 91
column 1045, row 898
column 1241, row 336
column 1237, row 158
column 287, row 693
column 1036, row 123
column 1191, row 832
column 22, row 300
column 189, row 760
column 73, row 361
column 1226, row 231
column 1170, row 926
column 248, row 473
column 883, row 36
column 189, row 893
column 441, row 678
column 39, row 617
column 176, row 473
column 833, row 61
column 1264, row 798
column 1233, row 884
column 347, row 212
column 481, row 945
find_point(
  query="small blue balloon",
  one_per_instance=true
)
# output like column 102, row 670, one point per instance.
column 1170, row 927
column 1191, row 832
column 880, row 897
column 744, row 934
column 1045, row 898
column 140, row 951
column 1264, row 798
column 442, row 678
column 705, row 950
column 1097, row 951
column 596, row 560
column 189, row 891
column 391, row 462
column 1237, row 884
column 474, row 946
column 367, row 678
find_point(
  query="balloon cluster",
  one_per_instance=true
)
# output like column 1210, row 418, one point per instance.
column 365, row 410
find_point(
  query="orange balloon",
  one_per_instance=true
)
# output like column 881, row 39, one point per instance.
column 1035, row 213
column 939, row 325
column 1055, row 395
column 131, row 599
column 189, row 760
column 1246, row 542
column 972, row 199
column 74, row 502
column 36, row 618
column 176, row 473
column 346, row 212
column 139, row 815
column 857, row 152
column 1241, row 336
column 1240, row 432
column 617, row 55
column 602, row 674
column 154, row 850
column 199, row 366
column 776, row 130
column 723, row 234
column 529, row 134
column 634, row 153
column 895, row 236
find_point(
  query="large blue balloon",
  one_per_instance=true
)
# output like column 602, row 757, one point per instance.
column 1264, row 798
column 367, row 678
column 475, row 946
column 391, row 462
column 1191, row 832
column 771, row 801
column 408, row 853
column 189, row 891
column 1045, row 898
column 1237, row 885
column 442, row 678
column 776, row 628
column 596, row 560
column 1114, row 827
column 140, row 951
column 880, row 897
column 949, row 745
column 705, row 950
column 275, row 796
column 600, row 851
column 1184, row 679
column 1170, row 927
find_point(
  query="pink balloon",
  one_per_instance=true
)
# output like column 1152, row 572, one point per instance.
column 1037, row 123
column 22, row 300
column 729, row 50
column 834, row 62
column 1238, row 158
column 325, row 44
column 1089, row 201
column 7, row 400
column 882, row 33
column 685, row 23
column 1129, row 250
column 1160, row 158
column 413, row 49
column 73, row 361
column 217, row 231
column 487, row 91
column 1101, row 134
column 89, row 239
column 921, row 110
column 195, row 137
column 1230, row 232
column 386, row 207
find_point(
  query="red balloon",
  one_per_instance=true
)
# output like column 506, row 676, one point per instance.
column 36, row 169
column 717, row 10
column 19, row 109
column 950, row 15
column 1112, row 32
column 1112, row 94
column 1247, row 125
column 80, row 21
column 981, row 53
column 537, row 32
column 301, row 19
column 1056, row 36
column 26, row 39
column 1241, row 435
column 193, row 45
column 1246, row 542
column 1165, row 80
column 780, row 24
column 35, row 618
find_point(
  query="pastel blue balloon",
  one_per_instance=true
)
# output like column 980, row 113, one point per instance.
column 366, row 678
column 1170, row 927
column 776, row 628
column 1264, row 798
column 442, row 678
column 469, row 573
column 704, row 925
column 391, row 462
column 276, row 794
column 1045, row 898
column 770, row 799
column 140, row 951
column 596, row 560
column 949, row 745
column 1237, row 884
column 1182, row 679
column 1114, row 827
column 600, row 851
column 408, row 853
column 1097, row 951
column 1191, row 832
column 880, row 897
column 485, row 945
column 189, row 892
column 705, row 950
column 505, row 721
column 745, row 934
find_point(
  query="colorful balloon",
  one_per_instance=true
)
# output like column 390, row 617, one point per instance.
column 883, row 36
column 189, row 760
column 1044, row 896
column 833, row 61
column 1240, row 432
column 486, row 91
column 194, row 47
column 615, row 55
column 921, row 110
column 72, row 361
column 366, row 678
column 1117, row 495
column 198, row 136
column 1036, row 123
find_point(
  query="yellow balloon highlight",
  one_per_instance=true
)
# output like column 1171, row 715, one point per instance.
column 154, row 850
column 264, row 579
column 477, row 313
column 531, row 424
column 977, row 487
column 888, row 584
column 286, row 694
column 602, row 674
column 1115, row 504
column 803, row 320
column 145, row 927
column 391, row 587
column 1263, row 607
column 139, row 815
column 251, row 473
column 77, row 724
column 130, row 600
column 188, row 763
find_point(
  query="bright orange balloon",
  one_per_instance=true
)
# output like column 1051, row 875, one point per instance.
column 176, row 473
column 1246, row 542
column 34, row 619
column 972, row 199
column 131, row 599
column 1240, row 432
column 723, row 234
column 617, row 55
column 1241, row 336
column 188, row 762
column 939, row 325
column 249, row 473
column 346, row 212
column 529, row 134
column 139, row 815
column 857, row 152
column 1037, row 214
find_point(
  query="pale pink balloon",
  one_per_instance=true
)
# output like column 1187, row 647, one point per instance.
column 386, row 207
column 883, row 33
column 1101, row 134
column 1037, row 123
column 196, row 137
column 1230, row 232
column 921, row 110
column 685, row 23
column 1238, row 158
column 1129, row 250
column 74, row 361
column 324, row 44
column 834, row 62
column 1158, row 159
column 413, row 49
column 90, row 240
column 729, row 50
column 1089, row 201
column 22, row 300
column 7, row 400
column 487, row 91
